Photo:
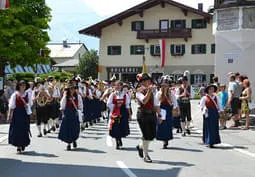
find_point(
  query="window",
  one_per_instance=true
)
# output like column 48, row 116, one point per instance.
column 199, row 23
column 155, row 50
column 137, row 26
column 164, row 25
column 178, row 24
column 114, row 50
column 213, row 48
column 197, row 79
column 137, row 49
column 198, row 49
column 177, row 50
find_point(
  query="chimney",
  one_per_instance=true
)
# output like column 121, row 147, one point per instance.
column 200, row 7
column 65, row 43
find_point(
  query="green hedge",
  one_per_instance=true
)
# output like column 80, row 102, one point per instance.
column 27, row 76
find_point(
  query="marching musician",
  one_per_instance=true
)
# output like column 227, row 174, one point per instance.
column 146, row 114
column 120, row 114
column 40, row 96
column 167, row 102
column 184, row 94
column 70, row 105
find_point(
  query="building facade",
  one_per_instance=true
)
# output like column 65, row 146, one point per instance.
column 234, row 27
column 128, row 37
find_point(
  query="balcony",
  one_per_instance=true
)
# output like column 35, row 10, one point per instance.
column 159, row 34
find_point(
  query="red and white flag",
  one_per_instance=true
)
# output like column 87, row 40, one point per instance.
column 4, row 4
column 162, row 43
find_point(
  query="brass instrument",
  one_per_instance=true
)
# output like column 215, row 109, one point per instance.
column 42, row 100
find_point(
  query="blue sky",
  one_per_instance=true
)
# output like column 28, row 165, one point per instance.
column 69, row 16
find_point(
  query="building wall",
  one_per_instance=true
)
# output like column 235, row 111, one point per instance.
column 235, row 51
column 80, row 52
column 122, row 35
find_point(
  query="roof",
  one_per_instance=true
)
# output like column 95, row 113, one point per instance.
column 59, row 51
column 68, row 63
column 95, row 30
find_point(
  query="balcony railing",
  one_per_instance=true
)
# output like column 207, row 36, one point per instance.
column 170, row 33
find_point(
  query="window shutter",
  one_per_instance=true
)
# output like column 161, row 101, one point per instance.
column 192, row 79
column 109, row 50
column 152, row 50
column 213, row 48
column 211, row 78
column 183, row 49
column 204, row 78
column 132, row 50
column 172, row 50
column 133, row 26
column 204, row 24
column 193, row 24
column 172, row 25
column 204, row 48
column 142, row 25
column 193, row 49
column 184, row 23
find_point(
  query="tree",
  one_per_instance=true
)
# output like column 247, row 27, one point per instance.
column 88, row 64
column 23, row 33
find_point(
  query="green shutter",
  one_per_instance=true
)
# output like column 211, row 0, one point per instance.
column 192, row 79
column 193, row 24
column 204, row 48
column 183, row 49
column 142, row 25
column 204, row 78
column 152, row 50
column 184, row 23
column 132, row 50
column 193, row 49
column 133, row 26
column 204, row 24
column 109, row 50
column 213, row 48
column 211, row 78
column 172, row 25
column 172, row 50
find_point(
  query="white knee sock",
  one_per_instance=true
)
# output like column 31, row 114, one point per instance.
column 183, row 126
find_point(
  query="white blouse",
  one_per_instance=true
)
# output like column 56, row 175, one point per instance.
column 12, row 101
column 203, row 101
column 173, row 98
column 110, row 104
column 83, row 91
column 63, row 103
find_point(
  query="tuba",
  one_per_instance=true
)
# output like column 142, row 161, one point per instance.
column 42, row 99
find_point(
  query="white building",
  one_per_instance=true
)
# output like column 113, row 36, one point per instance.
column 66, row 55
column 130, row 35
column 234, row 28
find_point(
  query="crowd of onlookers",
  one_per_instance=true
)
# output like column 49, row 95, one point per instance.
column 235, row 98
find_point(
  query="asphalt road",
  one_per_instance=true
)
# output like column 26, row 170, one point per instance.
column 96, row 155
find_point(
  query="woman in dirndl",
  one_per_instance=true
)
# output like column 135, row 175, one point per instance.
column 19, row 131
column 70, row 126
column 209, row 105
column 167, row 102
column 120, row 114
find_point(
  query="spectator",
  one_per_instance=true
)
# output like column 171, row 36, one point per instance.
column 202, row 90
column 216, row 82
column 223, row 98
column 246, row 98
column 233, row 99
column 10, row 89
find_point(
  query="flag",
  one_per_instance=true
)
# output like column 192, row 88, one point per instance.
column 162, row 43
column 144, row 65
column 4, row 4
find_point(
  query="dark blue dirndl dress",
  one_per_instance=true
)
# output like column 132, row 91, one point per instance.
column 87, row 109
column 70, row 126
column 19, row 130
column 211, row 134
column 120, row 127
column 165, row 130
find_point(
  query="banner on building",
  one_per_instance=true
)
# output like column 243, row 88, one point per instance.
column 4, row 4
column 162, row 43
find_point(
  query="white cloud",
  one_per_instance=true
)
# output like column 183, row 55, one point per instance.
column 111, row 7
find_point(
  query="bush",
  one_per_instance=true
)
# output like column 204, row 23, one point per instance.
column 27, row 76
